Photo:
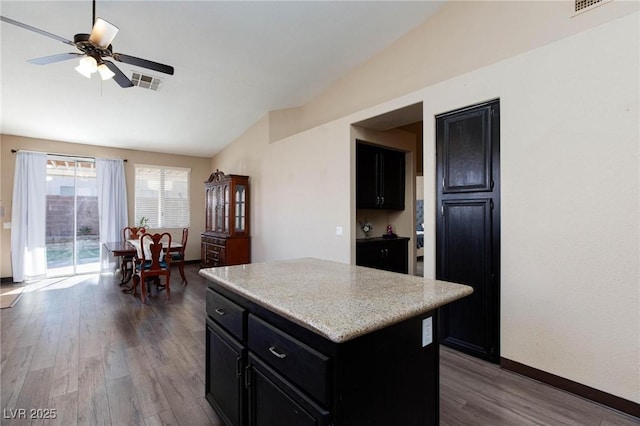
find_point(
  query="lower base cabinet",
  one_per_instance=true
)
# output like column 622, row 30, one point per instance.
column 273, row 401
column 220, row 250
column 264, row 370
column 224, row 382
column 389, row 254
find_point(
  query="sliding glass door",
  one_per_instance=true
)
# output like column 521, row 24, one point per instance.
column 73, row 240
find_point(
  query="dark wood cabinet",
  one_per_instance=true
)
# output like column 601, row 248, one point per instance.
column 468, row 226
column 243, row 389
column 265, row 370
column 389, row 254
column 273, row 401
column 224, row 387
column 225, row 240
column 380, row 176
column 226, row 358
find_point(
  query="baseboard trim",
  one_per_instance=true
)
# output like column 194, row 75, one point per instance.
column 5, row 280
column 612, row 401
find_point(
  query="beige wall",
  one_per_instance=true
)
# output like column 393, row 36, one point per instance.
column 568, row 87
column 200, row 170
column 299, row 191
column 570, row 295
column 460, row 37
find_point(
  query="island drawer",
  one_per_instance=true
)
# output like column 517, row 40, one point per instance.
column 303, row 365
column 226, row 313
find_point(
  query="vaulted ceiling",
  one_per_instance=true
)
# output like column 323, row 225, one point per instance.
column 234, row 61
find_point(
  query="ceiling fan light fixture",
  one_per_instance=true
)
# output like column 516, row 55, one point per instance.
column 105, row 73
column 103, row 33
column 83, row 71
column 87, row 66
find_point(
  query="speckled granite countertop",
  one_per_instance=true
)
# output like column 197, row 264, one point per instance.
column 337, row 301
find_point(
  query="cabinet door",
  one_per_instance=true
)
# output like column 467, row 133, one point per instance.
column 226, row 209
column 275, row 402
column 379, row 178
column 392, row 179
column 240, row 209
column 225, row 360
column 369, row 255
column 367, row 172
column 468, row 226
column 389, row 255
column 396, row 256
column 210, row 201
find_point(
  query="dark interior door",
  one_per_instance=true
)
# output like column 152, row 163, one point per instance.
column 468, row 226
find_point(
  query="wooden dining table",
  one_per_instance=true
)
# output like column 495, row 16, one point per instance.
column 126, row 252
column 175, row 246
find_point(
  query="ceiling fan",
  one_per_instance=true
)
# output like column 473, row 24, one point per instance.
column 94, row 49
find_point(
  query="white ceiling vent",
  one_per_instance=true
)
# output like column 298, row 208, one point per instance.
column 146, row 81
column 585, row 5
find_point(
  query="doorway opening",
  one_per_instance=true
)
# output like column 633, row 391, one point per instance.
column 404, row 121
column 72, row 230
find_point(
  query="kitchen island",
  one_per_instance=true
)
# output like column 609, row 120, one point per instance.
column 315, row 342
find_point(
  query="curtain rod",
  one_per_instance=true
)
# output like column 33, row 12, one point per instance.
column 13, row 151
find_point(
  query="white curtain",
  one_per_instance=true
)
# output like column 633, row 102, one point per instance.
column 112, row 199
column 29, row 217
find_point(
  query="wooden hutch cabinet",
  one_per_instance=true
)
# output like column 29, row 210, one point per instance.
column 225, row 240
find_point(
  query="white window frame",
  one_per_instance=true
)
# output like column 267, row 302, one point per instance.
column 158, row 220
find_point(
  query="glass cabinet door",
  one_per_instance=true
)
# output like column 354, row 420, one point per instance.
column 211, row 202
column 225, row 224
column 219, row 211
column 240, row 208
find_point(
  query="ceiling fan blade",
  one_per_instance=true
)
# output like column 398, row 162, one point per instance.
column 103, row 33
column 132, row 60
column 54, row 58
column 36, row 30
column 119, row 76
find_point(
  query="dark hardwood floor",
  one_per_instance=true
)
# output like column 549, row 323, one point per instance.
column 96, row 356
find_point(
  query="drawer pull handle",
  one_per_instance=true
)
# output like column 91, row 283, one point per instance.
column 275, row 352
column 220, row 312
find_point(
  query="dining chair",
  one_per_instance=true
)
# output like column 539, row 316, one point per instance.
column 178, row 255
column 126, row 233
column 152, row 263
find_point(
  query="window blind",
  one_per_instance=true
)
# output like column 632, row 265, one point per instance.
column 162, row 195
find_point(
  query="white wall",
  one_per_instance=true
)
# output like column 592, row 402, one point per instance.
column 570, row 198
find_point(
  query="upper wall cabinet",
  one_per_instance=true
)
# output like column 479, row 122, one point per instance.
column 379, row 177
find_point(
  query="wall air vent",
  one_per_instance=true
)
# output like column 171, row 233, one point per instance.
column 585, row 5
column 146, row 81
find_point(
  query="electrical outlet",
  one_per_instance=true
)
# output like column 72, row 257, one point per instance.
column 427, row 331
column 339, row 230
column 6, row 225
